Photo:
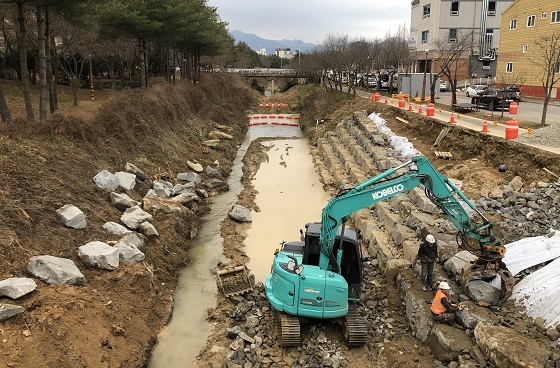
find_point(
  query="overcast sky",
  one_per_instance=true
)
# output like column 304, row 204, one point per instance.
column 312, row 20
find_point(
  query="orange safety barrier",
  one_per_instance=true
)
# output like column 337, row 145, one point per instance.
column 272, row 116
column 296, row 117
column 264, row 116
column 401, row 102
column 512, row 129
column 280, row 116
column 289, row 117
column 513, row 107
column 430, row 110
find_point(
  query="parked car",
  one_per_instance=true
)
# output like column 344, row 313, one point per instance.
column 494, row 99
column 475, row 89
column 372, row 82
column 442, row 86
column 514, row 88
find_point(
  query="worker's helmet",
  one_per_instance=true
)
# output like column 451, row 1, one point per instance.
column 430, row 239
column 444, row 286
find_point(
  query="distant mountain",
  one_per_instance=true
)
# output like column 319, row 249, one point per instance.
column 256, row 43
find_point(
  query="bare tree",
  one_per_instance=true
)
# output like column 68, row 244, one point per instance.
column 395, row 54
column 4, row 110
column 547, row 60
column 452, row 56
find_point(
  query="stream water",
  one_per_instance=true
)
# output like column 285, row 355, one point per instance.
column 290, row 195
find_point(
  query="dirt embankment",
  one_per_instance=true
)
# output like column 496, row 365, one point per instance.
column 113, row 320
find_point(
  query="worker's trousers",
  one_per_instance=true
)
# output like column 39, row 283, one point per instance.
column 427, row 272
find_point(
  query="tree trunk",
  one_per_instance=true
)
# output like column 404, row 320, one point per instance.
column 547, row 93
column 142, row 57
column 4, row 110
column 49, row 55
column 42, row 61
column 21, row 34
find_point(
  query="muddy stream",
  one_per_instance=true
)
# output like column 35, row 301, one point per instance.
column 289, row 196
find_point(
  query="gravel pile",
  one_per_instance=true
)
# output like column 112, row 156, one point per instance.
column 547, row 136
column 527, row 214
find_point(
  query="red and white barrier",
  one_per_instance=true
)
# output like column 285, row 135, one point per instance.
column 272, row 119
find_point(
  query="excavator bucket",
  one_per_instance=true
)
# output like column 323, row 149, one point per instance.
column 234, row 280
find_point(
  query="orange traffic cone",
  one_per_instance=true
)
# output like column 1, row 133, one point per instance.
column 452, row 118
column 485, row 126
column 409, row 107
column 420, row 109
column 386, row 100
column 369, row 96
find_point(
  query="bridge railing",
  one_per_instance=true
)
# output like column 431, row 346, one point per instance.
column 267, row 71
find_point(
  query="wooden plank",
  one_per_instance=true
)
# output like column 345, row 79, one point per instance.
column 443, row 154
column 550, row 172
column 441, row 136
column 403, row 120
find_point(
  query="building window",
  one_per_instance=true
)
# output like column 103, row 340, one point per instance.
column 455, row 8
column 543, row 15
column 491, row 8
column 425, row 36
column 531, row 21
column 555, row 16
column 426, row 12
column 509, row 67
column 453, row 35
column 486, row 65
column 513, row 24
column 557, row 70
column 525, row 48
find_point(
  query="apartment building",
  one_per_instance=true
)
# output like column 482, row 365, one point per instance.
column 434, row 21
column 524, row 24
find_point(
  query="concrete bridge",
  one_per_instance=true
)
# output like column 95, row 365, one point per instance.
column 265, row 72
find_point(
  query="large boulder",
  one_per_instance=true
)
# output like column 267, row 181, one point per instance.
column 55, row 270
column 99, row 255
column 162, row 188
column 115, row 228
column 16, row 287
column 127, row 181
column 131, row 168
column 448, row 342
column 506, row 348
column 106, row 180
column 240, row 213
column 134, row 216
column 122, row 201
column 9, row 310
column 72, row 216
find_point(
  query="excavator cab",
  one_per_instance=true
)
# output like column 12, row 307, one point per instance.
column 351, row 264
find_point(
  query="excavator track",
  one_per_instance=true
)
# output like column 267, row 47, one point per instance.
column 354, row 327
column 289, row 328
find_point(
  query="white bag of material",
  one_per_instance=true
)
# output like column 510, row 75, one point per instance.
column 539, row 293
column 532, row 251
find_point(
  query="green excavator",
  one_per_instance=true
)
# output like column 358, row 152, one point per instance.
column 320, row 276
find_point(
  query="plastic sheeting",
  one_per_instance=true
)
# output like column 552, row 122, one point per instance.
column 539, row 293
column 529, row 252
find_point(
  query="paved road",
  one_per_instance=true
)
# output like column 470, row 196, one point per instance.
column 529, row 109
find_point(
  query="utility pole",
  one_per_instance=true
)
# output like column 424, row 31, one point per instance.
column 424, row 80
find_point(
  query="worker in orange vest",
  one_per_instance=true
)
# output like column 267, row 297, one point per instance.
column 442, row 309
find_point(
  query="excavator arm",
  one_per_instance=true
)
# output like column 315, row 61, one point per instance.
column 442, row 192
